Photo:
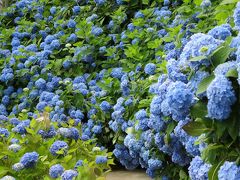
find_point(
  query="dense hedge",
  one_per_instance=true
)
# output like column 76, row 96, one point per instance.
column 147, row 83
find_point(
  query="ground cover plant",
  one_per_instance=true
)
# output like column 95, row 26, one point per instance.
column 89, row 85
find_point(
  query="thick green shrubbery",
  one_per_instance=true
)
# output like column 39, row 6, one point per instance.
column 152, row 82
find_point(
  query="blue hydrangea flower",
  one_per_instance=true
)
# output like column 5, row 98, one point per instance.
column 71, row 23
column 196, row 79
column 4, row 132
column 57, row 146
column 150, row 68
column 14, row 147
column 154, row 164
column 105, row 106
column 76, row 9
column 96, row 31
column 56, row 170
column 174, row 72
column 221, row 97
column 53, row 10
column 229, row 171
column 97, row 129
column 40, row 83
column 17, row 167
column 101, row 159
column 199, row 45
column 236, row 16
column 139, row 14
column 7, row 178
column 69, row 174
column 179, row 100
column 198, row 169
column 223, row 68
column 100, row 2
column 117, row 73
column 206, row 3
column 78, row 164
column 29, row 159
column 221, row 32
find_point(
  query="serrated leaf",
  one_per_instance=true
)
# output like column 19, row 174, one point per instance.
column 198, row 58
column 203, row 85
column 220, row 55
column 232, row 73
column 199, row 110
column 170, row 127
column 228, row 2
column 213, row 171
column 195, row 128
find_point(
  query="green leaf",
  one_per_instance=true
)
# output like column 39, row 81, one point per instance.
column 233, row 127
column 170, row 127
column 210, row 153
column 182, row 175
column 220, row 55
column 202, row 87
column 220, row 128
column 213, row 171
column 198, row 2
column 228, row 2
column 198, row 58
column 232, row 73
column 195, row 128
column 199, row 110
column 129, row 130
column 3, row 171
column 144, row 103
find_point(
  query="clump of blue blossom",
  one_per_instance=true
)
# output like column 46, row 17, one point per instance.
column 236, row 16
column 29, row 159
column 229, row 170
column 69, row 174
column 150, row 68
column 57, row 146
column 56, row 171
column 221, row 97
column 198, row 169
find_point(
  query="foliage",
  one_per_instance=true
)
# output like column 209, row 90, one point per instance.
column 154, row 82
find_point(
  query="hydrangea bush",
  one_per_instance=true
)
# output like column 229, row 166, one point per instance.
column 151, row 83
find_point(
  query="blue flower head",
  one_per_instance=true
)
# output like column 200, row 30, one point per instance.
column 76, row 9
column 198, row 169
column 29, row 159
column 4, row 133
column 69, row 174
column 96, row 31
column 150, row 68
column 18, row 167
column 221, row 32
column 221, row 97
column 57, row 146
column 78, row 164
column 199, row 45
column 100, row 2
column 236, row 16
column 179, row 100
column 229, row 171
column 101, row 159
column 56, row 170
column 71, row 23
column 105, row 106
column 53, row 10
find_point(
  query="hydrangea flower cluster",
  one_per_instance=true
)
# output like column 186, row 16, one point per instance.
column 229, row 170
column 198, row 169
column 93, row 73
column 29, row 159
column 221, row 97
